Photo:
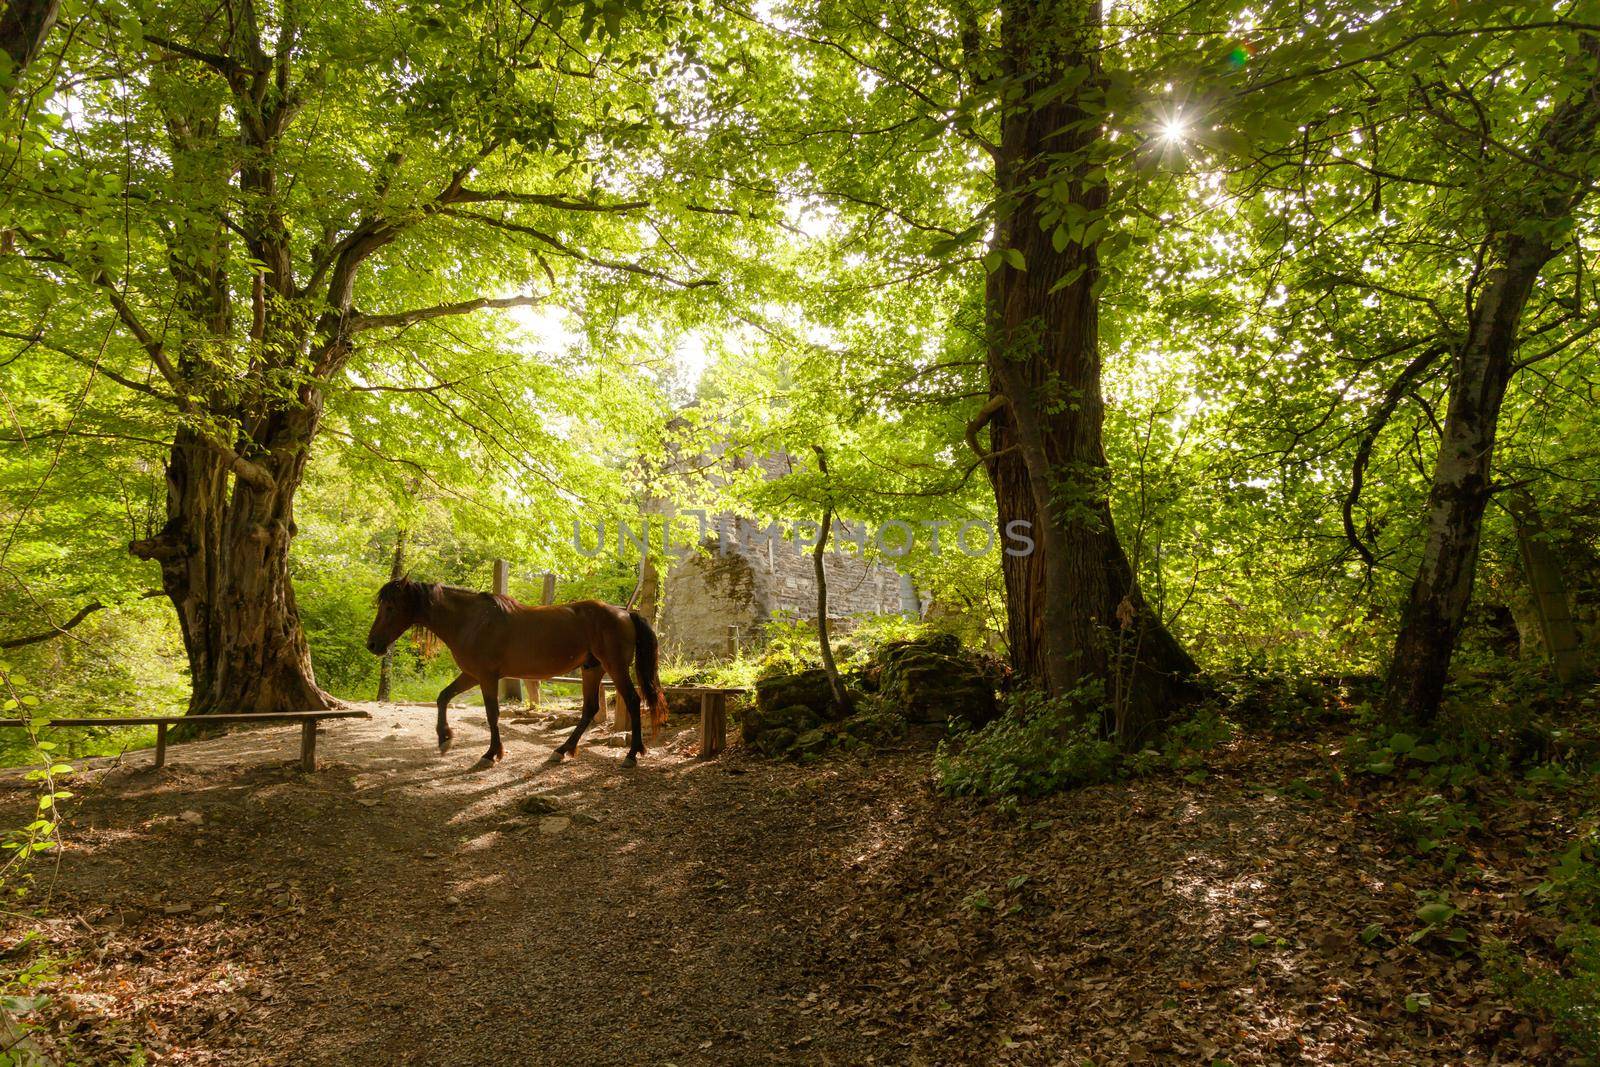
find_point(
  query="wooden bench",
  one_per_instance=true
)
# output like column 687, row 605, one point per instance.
column 713, row 711
column 307, row 719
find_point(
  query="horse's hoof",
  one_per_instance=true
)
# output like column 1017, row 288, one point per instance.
column 630, row 760
column 444, row 744
column 556, row 756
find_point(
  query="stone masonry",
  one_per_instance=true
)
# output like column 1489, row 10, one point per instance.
column 717, row 600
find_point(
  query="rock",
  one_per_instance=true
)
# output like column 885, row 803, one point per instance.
column 875, row 726
column 538, row 804
column 808, row 689
column 812, row 742
column 193, row 818
column 797, row 717
column 934, row 680
column 554, row 824
column 177, row 909
column 453, row 901
column 583, row 818
column 776, row 742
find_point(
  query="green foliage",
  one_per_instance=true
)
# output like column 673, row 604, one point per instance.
column 1039, row 745
column 1183, row 748
column 19, row 845
column 1568, row 993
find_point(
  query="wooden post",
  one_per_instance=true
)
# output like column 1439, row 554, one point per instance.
column 510, row 688
column 619, row 710
column 713, row 723
column 308, row 745
column 161, row 744
column 547, row 596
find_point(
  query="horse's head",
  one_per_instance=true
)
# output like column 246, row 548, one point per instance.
column 402, row 604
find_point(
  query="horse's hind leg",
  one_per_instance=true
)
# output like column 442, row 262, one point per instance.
column 462, row 683
column 592, row 677
column 630, row 699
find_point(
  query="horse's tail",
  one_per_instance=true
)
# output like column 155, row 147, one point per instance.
column 647, row 661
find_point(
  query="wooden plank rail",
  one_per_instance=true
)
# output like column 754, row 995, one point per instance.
column 713, row 710
column 307, row 719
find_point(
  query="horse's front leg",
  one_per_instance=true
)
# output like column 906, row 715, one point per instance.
column 462, row 683
column 490, row 688
column 593, row 697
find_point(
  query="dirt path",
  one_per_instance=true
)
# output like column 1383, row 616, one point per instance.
column 399, row 908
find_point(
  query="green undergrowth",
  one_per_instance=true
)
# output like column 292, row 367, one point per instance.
column 1041, row 745
column 1565, row 987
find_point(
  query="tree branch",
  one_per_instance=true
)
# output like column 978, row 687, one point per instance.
column 572, row 253
column 563, row 203
column 359, row 321
column 1369, row 438
column 57, row 631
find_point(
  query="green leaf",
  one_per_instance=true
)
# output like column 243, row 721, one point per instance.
column 1436, row 912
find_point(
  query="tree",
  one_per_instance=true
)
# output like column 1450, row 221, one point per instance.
column 1077, row 613
column 836, row 690
column 24, row 26
column 1022, row 91
column 272, row 174
column 1523, row 232
column 397, row 570
column 1409, row 189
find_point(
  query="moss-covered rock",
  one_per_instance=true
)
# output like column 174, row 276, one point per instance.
column 807, row 728
column 797, row 717
column 874, row 727
column 808, row 688
column 934, row 680
column 813, row 742
column 775, row 742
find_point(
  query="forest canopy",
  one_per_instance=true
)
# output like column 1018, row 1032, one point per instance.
column 1271, row 323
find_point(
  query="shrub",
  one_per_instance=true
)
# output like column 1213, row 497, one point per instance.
column 1038, row 745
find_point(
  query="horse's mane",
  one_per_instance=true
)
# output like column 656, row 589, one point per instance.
column 420, row 598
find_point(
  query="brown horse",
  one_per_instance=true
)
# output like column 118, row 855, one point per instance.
column 493, row 637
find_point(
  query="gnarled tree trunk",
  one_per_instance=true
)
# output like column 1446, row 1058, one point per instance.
column 1075, row 610
column 224, row 556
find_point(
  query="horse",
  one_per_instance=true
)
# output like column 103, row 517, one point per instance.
column 491, row 637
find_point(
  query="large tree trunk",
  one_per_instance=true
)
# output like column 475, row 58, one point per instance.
column 224, row 555
column 1075, row 610
column 1481, row 370
column 24, row 26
